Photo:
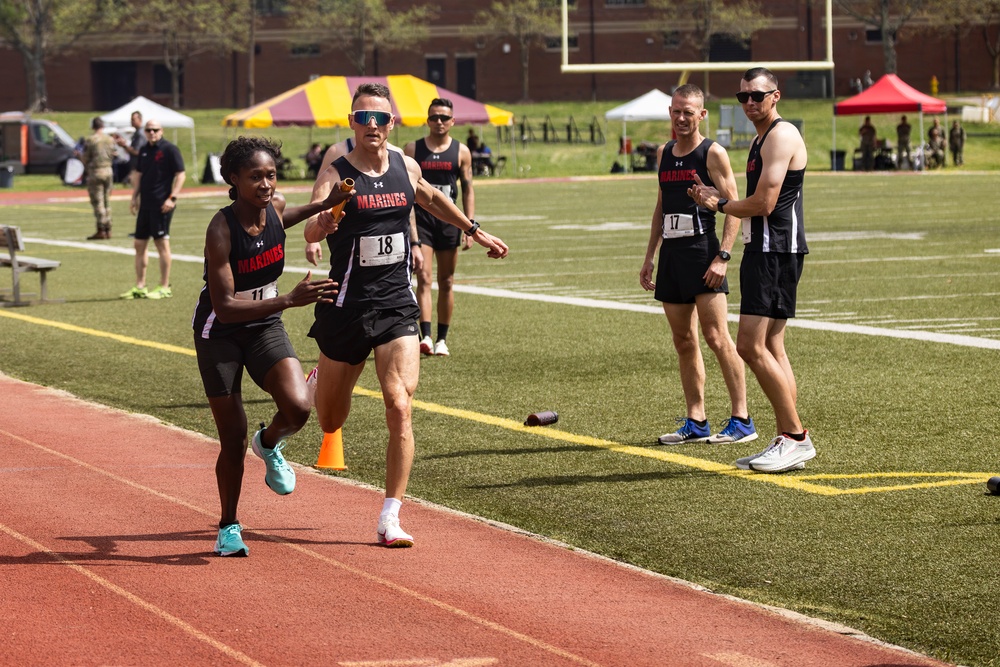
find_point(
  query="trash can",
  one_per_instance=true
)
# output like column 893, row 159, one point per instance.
column 837, row 160
column 724, row 136
column 6, row 177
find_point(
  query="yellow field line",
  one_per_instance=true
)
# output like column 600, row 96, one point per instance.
column 795, row 482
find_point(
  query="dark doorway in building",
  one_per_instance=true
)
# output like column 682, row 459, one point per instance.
column 113, row 83
column 435, row 71
column 726, row 49
column 466, row 68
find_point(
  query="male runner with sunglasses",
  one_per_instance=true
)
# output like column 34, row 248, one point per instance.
column 443, row 162
column 375, row 309
column 774, row 248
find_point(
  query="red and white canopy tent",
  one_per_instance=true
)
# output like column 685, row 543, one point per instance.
column 889, row 95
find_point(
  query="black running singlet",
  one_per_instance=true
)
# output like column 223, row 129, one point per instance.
column 783, row 229
column 440, row 170
column 370, row 251
column 682, row 217
column 256, row 262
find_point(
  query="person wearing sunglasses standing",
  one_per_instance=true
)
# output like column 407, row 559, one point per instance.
column 443, row 162
column 774, row 249
column 691, row 276
column 371, row 259
column 156, row 182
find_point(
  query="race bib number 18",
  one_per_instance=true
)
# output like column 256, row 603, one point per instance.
column 382, row 250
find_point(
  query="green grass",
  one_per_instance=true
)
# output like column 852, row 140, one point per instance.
column 916, row 567
column 538, row 159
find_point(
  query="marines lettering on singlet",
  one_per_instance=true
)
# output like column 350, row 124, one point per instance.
column 682, row 217
column 256, row 262
column 370, row 251
column 783, row 229
column 440, row 170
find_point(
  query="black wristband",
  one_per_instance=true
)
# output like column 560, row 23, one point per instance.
column 473, row 229
column 416, row 243
column 722, row 203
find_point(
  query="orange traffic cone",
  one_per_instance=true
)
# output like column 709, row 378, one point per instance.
column 331, row 453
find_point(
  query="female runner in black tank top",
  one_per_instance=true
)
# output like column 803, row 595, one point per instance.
column 237, row 323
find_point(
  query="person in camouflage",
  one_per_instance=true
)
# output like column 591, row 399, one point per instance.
column 98, row 157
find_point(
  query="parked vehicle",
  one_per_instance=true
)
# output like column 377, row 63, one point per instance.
column 34, row 146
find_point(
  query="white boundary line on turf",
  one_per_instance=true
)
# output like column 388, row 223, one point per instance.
column 838, row 327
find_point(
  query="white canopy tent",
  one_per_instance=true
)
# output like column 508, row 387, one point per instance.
column 654, row 105
column 121, row 118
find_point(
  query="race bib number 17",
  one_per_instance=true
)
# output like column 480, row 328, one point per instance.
column 676, row 225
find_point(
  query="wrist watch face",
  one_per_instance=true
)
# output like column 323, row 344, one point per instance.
column 725, row 255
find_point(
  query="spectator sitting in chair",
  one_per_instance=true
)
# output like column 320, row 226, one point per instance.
column 482, row 160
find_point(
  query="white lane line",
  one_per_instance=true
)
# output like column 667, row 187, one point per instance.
column 839, row 327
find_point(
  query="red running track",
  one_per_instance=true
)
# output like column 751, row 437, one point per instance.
column 107, row 521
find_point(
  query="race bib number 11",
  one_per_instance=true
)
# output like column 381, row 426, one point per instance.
column 382, row 250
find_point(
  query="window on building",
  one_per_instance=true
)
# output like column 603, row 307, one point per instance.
column 163, row 82
column 624, row 3
column 271, row 7
column 672, row 39
column 726, row 49
column 304, row 51
column 873, row 36
column 436, row 70
column 555, row 43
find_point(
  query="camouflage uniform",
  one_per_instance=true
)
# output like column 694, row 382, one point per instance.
column 98, row 156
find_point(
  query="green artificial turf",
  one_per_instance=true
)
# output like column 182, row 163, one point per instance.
column 915, row 566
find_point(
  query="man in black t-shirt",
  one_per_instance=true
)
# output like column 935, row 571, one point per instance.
column 156, row 181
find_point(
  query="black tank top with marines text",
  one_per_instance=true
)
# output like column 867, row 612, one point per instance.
column 256, row 262
column 782, row 230
column 439, row 169
column 370, row 251
column 682, row 217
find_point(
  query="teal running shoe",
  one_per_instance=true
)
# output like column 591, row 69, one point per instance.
column 280, row 477
column 230, row 543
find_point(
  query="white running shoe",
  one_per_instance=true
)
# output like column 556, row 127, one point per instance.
column 390, row 534
column 311, row 381
column 441, row 349
column 782, row 455
column 426, row 346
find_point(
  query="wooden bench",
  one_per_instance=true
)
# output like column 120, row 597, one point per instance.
column 10, row 238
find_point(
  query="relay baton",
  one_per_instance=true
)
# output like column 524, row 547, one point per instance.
column 345, row 186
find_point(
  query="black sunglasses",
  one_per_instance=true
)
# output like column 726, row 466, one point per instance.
column 154, row 129
column 365, row 117
column 439, row 117
column 757, row 96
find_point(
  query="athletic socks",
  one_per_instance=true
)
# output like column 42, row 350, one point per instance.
column 391, row 507
column 798, row 437
column 425, row 329
column 745, row 422
column 442, row 331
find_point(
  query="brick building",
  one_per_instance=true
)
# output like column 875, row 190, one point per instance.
column 109, row 70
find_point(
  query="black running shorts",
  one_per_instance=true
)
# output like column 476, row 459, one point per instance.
column 680, row 273
column 222, row 360
column 768, row 283
column 151, row 223
column 349, row 335
column 436, row 233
